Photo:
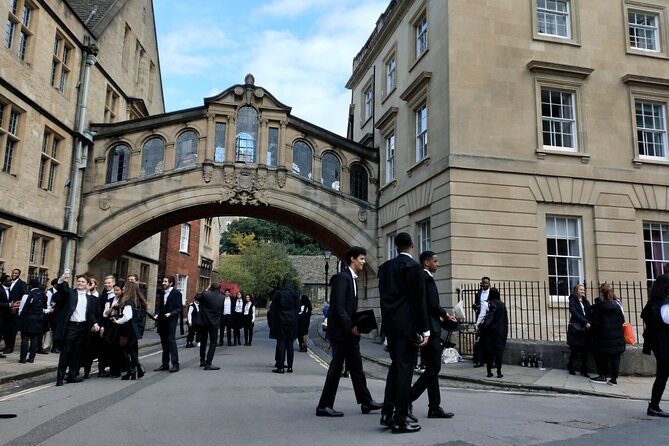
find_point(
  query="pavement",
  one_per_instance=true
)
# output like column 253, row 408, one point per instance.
column 461, row 373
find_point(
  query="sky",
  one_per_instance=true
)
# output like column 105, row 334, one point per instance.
column 301, row 51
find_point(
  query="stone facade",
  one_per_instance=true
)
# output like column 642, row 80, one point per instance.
column 488, row 185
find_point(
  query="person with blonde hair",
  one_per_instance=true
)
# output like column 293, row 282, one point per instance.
column 130, row 305
column 608, row 341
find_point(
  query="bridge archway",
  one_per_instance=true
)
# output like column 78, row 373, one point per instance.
column 223, row 171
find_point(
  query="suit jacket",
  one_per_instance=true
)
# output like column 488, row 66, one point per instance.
column 173, row 305
column 211, row 308
column 284, row 310
column 403, row 303
column 17, row 292
column 343, row 305
column 5, row 303
column 66, row 303
column 434, row 309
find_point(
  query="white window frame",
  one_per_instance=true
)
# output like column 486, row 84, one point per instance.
column 655, row 266
column 574, row 272
column 421, row 132
column 368, row 102
column 659, row 30
column 184, row 238
column 10, row 127
column 49, row 163
column 390, row 157
column 544, row 9
column 420, row 32
column 641, row 133
column 560, row 120
column 424, row 235
column 391, row 250
column 651, row 32
column 391, row 73
column 182, row 286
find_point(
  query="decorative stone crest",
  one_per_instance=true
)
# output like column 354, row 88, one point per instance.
column 281, row 177
column 207, row 171
column 362, row 215
column 104, row 204
column 244, row 187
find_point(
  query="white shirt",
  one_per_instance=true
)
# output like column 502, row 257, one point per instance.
column 664, row 312
column 484, row 295
column 79, row 314
column 247, row 310
column 127, row 315
column 355, row 285
column 239, row 305
column 484, row 310
column 226, row 305
column 190, row 311
column 167, row 293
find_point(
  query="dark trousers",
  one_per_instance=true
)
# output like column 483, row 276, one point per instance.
column 9, row 327
column 72, row 349
column 29, row 342
column 210, row 333
column 431, row 356
column 349, row 351
column 248, row 331
column 131, row 354
column 661, row 375
column 285, row 349
column 237, row 324
column 583, row 352
column 167, row 331
column 608, row 365
column 493, row 359
column 91, row 351
column 193, row 334
column 398, row 383
column 226, row 323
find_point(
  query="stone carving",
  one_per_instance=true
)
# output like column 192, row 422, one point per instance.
column 207, row 171
column 249, row 79
column 281, row 177
column 362, row 215
column 246, row 187
column 104, row 204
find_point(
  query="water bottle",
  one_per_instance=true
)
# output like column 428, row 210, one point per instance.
column 522, row 359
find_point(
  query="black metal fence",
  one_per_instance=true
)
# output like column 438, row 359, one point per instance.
column 535, row 315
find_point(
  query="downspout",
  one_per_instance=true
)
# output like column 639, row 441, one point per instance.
column 79, row 156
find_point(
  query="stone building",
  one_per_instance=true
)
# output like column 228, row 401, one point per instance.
column 524, row 140
column 63, row 65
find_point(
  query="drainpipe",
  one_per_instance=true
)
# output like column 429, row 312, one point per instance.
column 79, row 157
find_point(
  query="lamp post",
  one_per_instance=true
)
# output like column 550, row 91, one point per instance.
column 326, row 253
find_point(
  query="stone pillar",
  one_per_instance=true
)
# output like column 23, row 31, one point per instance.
column 210, row 140
column 262, row 143
column 230, row 134
column 285, row 155
column 170, row 156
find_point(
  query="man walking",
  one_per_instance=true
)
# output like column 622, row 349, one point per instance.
column 211, row 307
column 169, row 308
column 345, row 338
column 404, row 318
column 226, row 319
column 17, row 289
column 431, row 353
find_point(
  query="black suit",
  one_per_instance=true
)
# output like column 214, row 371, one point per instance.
column 73, row 333
column 226, row 322
column 11, row 319
column 431, row 353
column 345, row 345
column 211, row 309
column 404, row 315
column 5, row 315
column 167, row 326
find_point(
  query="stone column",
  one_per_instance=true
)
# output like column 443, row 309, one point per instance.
column 262, row 143
column 210, row 140
column 230, row 133
column 285, row 155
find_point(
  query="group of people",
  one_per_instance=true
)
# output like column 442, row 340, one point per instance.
column 412, row 319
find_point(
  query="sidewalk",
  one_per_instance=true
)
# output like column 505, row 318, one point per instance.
column 515, row 377
column 12, row 370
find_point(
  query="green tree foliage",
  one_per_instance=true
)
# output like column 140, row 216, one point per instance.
column 259, row 267
column 295, row 242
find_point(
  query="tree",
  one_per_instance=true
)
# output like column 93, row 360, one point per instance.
column 259, row 268
column 295, row 242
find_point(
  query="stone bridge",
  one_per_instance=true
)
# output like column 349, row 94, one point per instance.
column 242, row 153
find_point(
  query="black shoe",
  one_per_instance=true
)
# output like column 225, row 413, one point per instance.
column 202, row 363
column 656, row 412
column 613, row 382
column 114, row 375
column 87, row 375
column 8, row 351
column 328, row 412
column 571, row 372
column 439, row 413
column 103, row 374
column 42, row 352
column 410, row 416
column 174, row 368
column 127, row 376
column 585, row 374
column 73, row 380
column 2, row 356
column 22, row 361
column 289, row 370
column 386, row 421
column 60, row 383
column 55, row 350
column 278, row 371
column 404, row 427
column 163, row 367
column 499, row 375
column 140, row 371
column 489, row 375
column 598, row 380
column 372, row 405
column 211, row 367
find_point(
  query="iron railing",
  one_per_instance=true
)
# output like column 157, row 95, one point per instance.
column 535, row 315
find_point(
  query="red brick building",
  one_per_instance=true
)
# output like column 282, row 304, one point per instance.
column 179, row 257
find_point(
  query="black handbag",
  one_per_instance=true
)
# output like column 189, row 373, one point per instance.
column 575, row 328
column 487, row 319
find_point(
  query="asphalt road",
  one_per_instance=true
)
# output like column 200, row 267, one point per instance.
column 245, row 404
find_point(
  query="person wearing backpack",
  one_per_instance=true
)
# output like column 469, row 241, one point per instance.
column 656, row 340
column 493, row 328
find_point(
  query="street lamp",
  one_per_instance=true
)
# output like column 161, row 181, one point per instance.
column 327, row 254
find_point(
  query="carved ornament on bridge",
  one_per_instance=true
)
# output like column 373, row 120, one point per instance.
column 245, row 187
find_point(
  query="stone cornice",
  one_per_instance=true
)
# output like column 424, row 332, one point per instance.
column 387, row 118
column 646, row 81
column 538, row 66
column 421, row 80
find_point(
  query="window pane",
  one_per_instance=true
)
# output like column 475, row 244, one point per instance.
column 302, row 158
column 272, row 146
column 331, row 171
column 246, row 139
column 219, row 144
column 153, row 157
column 186, row 152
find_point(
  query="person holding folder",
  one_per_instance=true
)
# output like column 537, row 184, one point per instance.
column 344, row 330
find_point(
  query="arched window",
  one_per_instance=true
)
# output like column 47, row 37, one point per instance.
column 118, row 164
column 302, row 156
column 359, row 181
column 186, row 149
column 153, row 157
column 331, row 172
column 246, row 140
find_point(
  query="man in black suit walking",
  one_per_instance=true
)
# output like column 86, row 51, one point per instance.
column 169, row 308
column 17, row 289
column 211, row 308
column 431, row 353
column 7, row 308
column 345, row 338
column 404, row 318
column 80, row 318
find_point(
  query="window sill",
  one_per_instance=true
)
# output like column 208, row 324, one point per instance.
column 557, row 39
column 385, row 97
column 647, row 53
column 184, row 252
column 424, row 162
column 585, row 157
column 418, row 59
column 638, row 162
column 390, row 184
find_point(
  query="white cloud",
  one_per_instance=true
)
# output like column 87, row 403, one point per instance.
column 188, row 50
